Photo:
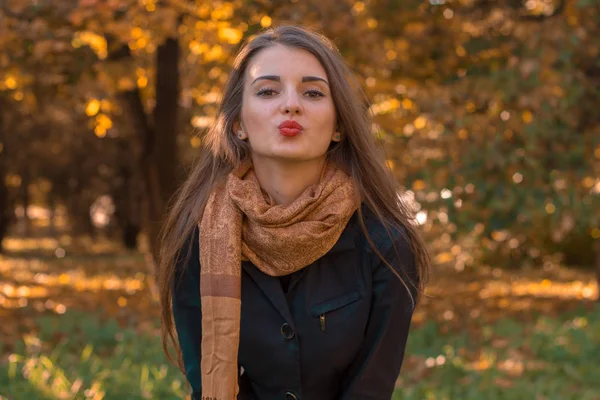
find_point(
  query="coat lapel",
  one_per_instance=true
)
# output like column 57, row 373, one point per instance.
column 271, row 288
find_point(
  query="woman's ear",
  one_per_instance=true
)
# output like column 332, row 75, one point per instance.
column 238, row 130
column 337, row 135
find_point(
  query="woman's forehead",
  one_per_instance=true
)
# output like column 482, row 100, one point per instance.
column 285, row 62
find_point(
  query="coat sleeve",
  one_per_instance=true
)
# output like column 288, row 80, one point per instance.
column 373, row 374
column 187, row 312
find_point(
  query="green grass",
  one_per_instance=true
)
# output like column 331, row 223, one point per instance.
column 74, row 356
column 90, row 361
column 538, row 358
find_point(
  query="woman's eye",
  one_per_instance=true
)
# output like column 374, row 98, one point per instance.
column 311, row 93
column 314, row 93
column 265, row 92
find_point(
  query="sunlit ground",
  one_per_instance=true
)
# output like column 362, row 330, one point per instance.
column 58, row 293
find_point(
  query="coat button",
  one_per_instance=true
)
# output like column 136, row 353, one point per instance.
column 290, row 396
column 287, row 332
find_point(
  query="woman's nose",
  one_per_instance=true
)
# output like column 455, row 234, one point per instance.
column 291, row 104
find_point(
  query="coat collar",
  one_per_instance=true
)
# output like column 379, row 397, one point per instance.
column 271, row 286
column 347, row 240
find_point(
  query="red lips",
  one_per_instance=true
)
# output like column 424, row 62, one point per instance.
column 290, row 128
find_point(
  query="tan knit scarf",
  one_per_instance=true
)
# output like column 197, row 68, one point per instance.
column 239, row 223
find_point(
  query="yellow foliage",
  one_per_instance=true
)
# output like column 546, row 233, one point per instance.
column 195, row 142
column 444, row 257
column 10, row 82
column 94, row 41
column 463, row 134
column 136, row 32
column 64, row 279
column 415, row 28
column 407, row 104
column 100, row 131
column 125, row 84
column 13, row 181
column 215, row 14
column 418, row 185
column 550, row 208
column 150, row 5
column 265, row 21
column 588, row 182
column 230, row 35
column 142, row 82
column 527, row 116
column 104, row 120
column 545, row 283
column 359, row 7
column 197, row 47
column 385, row 106
column 214, row 54
column 403, row 44
column 122, row 301
column 139, row 43
column 227, row 10
column 499, row 236
column 558, row 91
column 92, row 108
column 204, row 11
column 420, row 122
column 106, row 106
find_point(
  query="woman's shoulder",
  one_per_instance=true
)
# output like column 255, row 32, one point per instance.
column 392, row 242
column 189, row 253
column 187, row 272
column 383, row 235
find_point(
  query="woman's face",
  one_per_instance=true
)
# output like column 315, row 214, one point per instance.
column 287, row 84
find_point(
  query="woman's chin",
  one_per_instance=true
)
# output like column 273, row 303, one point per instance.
column 293, row 153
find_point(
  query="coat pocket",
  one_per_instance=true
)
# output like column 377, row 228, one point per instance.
column 321, row 309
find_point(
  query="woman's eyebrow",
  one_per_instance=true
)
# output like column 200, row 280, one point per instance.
column 277, row 78
column 313, row 79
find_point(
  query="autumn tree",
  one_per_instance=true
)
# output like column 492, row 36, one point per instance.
column 487, row 109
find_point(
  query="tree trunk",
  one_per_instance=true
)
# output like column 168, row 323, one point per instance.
column 24, row 194
column 5, row 207
column 52, row 209
column 597, row 243
column 3, row 188
column 162, row 169
column 6, row 210
column 127, row 199
column 157, row 141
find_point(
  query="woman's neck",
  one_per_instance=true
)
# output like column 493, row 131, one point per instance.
column 285, row 182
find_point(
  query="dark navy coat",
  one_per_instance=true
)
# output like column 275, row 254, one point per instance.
column 335, row 330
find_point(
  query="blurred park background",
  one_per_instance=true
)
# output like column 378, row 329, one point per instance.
column 489, row 111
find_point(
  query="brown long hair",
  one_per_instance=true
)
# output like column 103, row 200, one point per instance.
column 357, row 154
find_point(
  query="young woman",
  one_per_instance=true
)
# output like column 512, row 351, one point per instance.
column 289, row 266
